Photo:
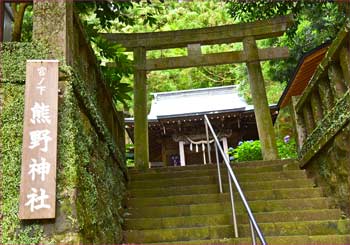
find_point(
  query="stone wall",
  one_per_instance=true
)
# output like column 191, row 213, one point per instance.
column 322, row 118
column 331, row 169
column 91, row 173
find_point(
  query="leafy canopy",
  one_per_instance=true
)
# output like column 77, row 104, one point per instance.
column 101, row 16
column 316, row 22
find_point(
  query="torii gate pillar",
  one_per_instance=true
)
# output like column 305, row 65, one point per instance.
column 140, row 110
column 261, row 106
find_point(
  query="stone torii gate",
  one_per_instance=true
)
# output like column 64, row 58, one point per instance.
column 247, row 33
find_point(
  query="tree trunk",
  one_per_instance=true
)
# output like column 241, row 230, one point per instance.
column 18, row 10
column 2, row 19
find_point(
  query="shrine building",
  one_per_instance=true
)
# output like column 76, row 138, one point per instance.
column 177, row 130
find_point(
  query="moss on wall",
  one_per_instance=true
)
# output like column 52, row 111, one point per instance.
column 90, row 183
column 331, row 168
column 12, row 74
column 13, row 59
column 13, row 231
column 89, row 176
column 283, row 124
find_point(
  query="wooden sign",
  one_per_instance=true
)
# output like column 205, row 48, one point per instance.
column 39, row 152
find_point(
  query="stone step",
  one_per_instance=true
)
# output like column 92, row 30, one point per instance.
column 176, row 172
column 213, row 188
column 330, row 227
column 225, row 208
column 276, row 240
column 224, row 219
column 273, row 194
column 212, row 179
column 248, row 164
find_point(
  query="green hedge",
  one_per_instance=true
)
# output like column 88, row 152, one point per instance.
column 251, row 150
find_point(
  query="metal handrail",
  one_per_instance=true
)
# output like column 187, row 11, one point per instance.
column 232, row 177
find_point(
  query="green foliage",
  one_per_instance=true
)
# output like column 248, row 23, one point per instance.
column 284, row 123
column 260, row 10
column 315, row 23
column 129, row 148
column 107, row 11
column 13, row 59
column 108, row 52
column 27, row 27
column 186, row 15
column 102, row 16
column 120, row 91
column 287, row 150
column 247, row 151
column 251, row 150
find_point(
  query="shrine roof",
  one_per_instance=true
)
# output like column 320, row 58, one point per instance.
column 197, row 102
column 303, row 73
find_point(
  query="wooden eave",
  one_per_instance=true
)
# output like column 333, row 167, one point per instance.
column 171, row 125
column 242, row 115
column 304, row 72
column 204, row 36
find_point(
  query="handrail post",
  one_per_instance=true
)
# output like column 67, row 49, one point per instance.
column 208, row 142
column 252, row 232
column 218, row 166
column 234, row 220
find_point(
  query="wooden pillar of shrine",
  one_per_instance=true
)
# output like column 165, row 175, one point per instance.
column 225, row 146
column 140, row 110
column 182, row 153
column 261, row 106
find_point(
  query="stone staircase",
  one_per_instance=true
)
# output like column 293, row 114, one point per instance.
column 182, row 205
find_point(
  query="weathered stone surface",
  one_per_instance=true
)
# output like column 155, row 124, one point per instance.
column 336, row 79
column 325, row 92
column 331, row 167
column 325, row 152
column 140, row 110
column 91, row 185
column 261, row 107
column 51, row 24
column 316, row 106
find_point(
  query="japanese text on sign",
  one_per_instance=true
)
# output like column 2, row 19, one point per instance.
column 38, row 179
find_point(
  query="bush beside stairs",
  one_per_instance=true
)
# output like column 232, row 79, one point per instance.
column 181, row 205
